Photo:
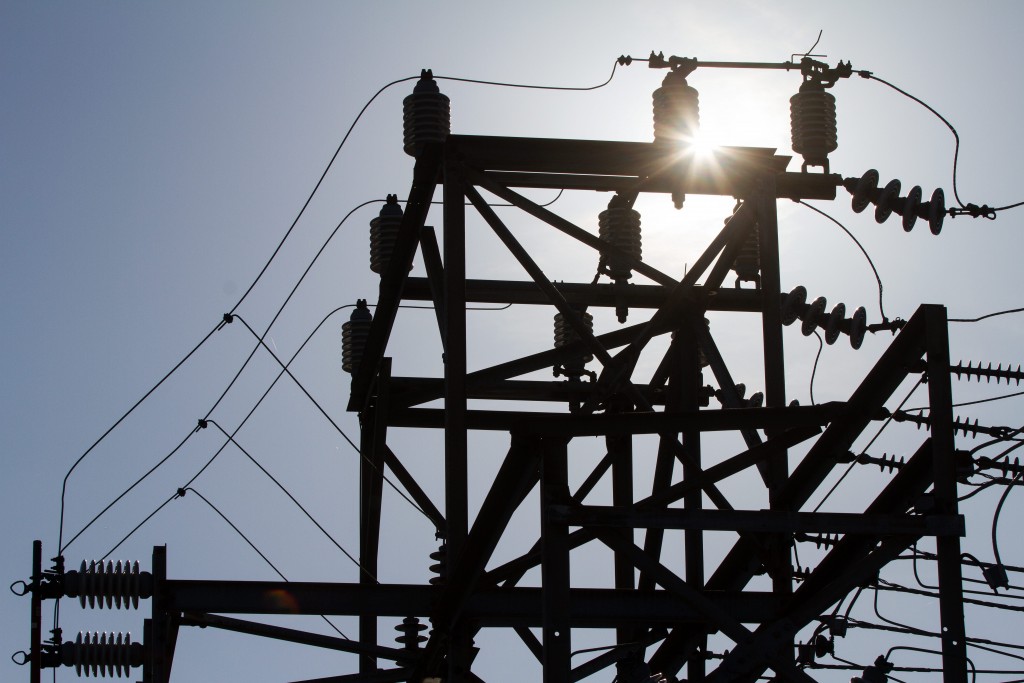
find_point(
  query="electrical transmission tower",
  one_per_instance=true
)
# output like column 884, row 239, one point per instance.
column 666, row 599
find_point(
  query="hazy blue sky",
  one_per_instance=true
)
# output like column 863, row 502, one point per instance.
column 154, row 153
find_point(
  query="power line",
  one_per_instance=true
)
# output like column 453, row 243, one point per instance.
column 181, row 494
column 878, row 278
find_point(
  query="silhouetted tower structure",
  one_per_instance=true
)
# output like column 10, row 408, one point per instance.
column 755, row 595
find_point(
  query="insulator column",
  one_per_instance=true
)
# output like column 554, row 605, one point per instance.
column 354, row 334
column 676, row 110
column 426, row 115
column 619, row 226
column 813, row 120
column 102, row 654
column 384, row 233
column 110, row 585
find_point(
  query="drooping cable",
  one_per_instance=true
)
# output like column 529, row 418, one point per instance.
column 956, row 136
column 878, row 278
column 64, row 486
column 534, row 87
column 865, row 449
column 291, row 497
column 252, row 545
column 983, row 317
column 995, row 519
column 814, row 370
column 330, row 419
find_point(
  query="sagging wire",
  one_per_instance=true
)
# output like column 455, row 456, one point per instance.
column 878, row 278
column 983, row 317
column 971, row 403
column 968, row 209
column 814, row 370
column 288, row 493
column 181, row 494
column 995, row 518
column 277, row 249
column 334, row 424
column 896, row 648
column 864, row 450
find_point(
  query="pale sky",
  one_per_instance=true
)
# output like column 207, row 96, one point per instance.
column 154, row 154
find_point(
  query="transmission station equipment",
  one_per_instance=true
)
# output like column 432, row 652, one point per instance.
column 662, row 611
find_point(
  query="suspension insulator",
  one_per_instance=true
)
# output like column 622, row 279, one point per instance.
column 812, row 113
column 748, row 261
column 676, row 110
column 110, row 585
column 384, row 233
column 565, row 335
column 427, row 114
column 102, row 654
column 811, row 316
column 701, row 358
column 863, row 189
column 936, row 211
column 794, row 305
column 887, row 201
column 619, row 226
column 354, row 334
column 909, row 207
column 834, row 324
column 858, row 327
column 440, row 567
column 410, row 633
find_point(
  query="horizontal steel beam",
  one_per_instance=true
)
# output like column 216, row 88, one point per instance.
column 585, row 294
column 762, row 521
column 561, row 424
column 500, row 607
column 634, row 166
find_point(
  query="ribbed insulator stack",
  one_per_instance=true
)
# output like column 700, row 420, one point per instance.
column 960, row 426
column 110, row 585
column 979, row 372
column 887, row 200
column 354, row 334
column 748, row 261
column 565, row 335
column 102, row 654
column 812, row 114
column 426, row 114
column 619, row 226
column 410, row 636
column 440, row 567
column 384, row 233
column 676, row 110
column 813, row 316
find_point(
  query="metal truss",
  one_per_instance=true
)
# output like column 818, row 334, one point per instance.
column 653, row 609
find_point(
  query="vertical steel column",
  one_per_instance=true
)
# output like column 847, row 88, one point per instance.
column 620, row 450
column 683, row 395
column 554, row 491
column 373, row 443
column 456, row 478
column 164, row 627
column 774, row 365
column 35, row 653
column 455, row 443
column 771, row 312
column 940, row 401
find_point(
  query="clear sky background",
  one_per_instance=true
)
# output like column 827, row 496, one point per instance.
column 153, row 154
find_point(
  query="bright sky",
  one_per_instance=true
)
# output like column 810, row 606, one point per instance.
column 155, row 153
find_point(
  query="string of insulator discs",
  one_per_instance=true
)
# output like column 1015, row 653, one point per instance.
column 887, row 201
column 96, row 584
column 102, row 654
column 110, row 585
column 794, row 305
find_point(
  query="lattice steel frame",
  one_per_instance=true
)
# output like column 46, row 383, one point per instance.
column 649, row 604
